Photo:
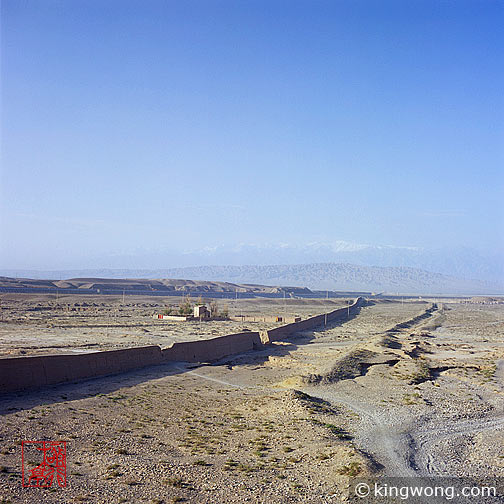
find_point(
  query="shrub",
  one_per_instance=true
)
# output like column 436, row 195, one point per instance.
column 214, row 308
column 352, row 469
column 186, row 308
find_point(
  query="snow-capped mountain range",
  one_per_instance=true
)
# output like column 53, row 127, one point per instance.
column 458, row 261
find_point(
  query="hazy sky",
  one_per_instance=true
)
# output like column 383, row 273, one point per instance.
column 131, row 125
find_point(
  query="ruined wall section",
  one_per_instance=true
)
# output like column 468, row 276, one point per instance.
column 21, row 373
column 212, row 349
column 285, row 331
column 24, row 373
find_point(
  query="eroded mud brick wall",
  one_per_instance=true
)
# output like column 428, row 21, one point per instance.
column 212, row 349
column 310, row 323
column 21, row 373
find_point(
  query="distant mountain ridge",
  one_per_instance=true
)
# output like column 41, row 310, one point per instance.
column 140, row 285
column 342, row 277
column 461, row 262
column 315, row 276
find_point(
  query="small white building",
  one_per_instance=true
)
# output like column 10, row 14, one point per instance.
column 201, row 311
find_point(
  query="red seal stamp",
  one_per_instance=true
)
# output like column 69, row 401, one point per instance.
column 51, row 459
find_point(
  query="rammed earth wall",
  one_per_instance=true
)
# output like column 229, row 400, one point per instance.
column 25, row 373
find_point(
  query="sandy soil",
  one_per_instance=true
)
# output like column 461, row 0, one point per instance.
column 375, row 395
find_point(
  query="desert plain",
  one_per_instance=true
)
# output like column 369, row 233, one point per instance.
column 402, row 388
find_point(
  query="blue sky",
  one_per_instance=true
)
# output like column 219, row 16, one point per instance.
column 146, row 125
